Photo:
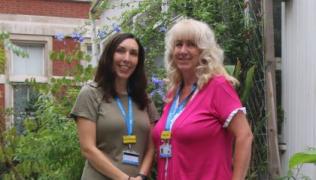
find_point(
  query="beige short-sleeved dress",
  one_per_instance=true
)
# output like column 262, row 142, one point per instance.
column 110, row 128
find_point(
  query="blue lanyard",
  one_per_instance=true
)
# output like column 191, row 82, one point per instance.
column 128, row 119
column 174, row 110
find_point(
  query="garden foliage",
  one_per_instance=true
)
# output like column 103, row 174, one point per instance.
column 48, row 148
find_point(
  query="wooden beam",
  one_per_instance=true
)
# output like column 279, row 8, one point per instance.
column 274, row 165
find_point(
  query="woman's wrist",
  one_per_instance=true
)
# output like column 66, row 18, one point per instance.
column 143, row 176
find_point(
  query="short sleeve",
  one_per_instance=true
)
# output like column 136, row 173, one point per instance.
column 226, row 102
column 152, row 112
column 86, row 104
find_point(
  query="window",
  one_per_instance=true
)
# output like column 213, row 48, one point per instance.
column 23, row 68
column 32, row 65
column 24, row 98
column 93, row 61
column 37, row 66
column 87, row 48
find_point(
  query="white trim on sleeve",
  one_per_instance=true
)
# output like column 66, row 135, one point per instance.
column 232, row 114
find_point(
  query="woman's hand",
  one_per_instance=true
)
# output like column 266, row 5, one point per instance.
column 136, row 178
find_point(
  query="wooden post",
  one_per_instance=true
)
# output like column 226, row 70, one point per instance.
column 274, row 165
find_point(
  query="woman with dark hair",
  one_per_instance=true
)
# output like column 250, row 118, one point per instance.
column 114, row 115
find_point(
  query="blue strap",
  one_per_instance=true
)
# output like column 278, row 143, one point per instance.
column 174, row 109
column 128, row 119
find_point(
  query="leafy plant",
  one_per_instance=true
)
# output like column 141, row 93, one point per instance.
column 244, row 90
column 296, row 162
column 48, row 147
column 38, row 153
column 299, row 158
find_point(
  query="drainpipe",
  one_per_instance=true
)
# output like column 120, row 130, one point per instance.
column 95, row 50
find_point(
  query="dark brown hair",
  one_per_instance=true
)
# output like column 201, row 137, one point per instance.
column 105, row 76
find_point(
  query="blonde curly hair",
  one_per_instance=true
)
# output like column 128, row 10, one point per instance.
column 211, row 57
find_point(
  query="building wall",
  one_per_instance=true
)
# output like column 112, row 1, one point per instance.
column 59, row 8
column 60, row 67
column 2, row 95
column 299, row 79
column 36, row 22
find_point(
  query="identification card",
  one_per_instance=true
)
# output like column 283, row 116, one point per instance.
column 130, row 139
column 130, row 157
column 165, row 150
column 165, row 135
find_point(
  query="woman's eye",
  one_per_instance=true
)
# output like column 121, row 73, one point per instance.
column 191, row 44
column 134, row 53
column 120, row 50
column 178, row 44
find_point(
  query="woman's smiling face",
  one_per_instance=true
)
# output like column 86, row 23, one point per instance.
column 186, row 55
column 125, row 59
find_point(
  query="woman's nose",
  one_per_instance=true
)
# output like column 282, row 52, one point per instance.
column 126, row 56
column 184, row 49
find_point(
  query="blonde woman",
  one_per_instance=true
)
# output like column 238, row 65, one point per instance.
column 203, row 132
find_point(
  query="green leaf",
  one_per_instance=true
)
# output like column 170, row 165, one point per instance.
column 2, row 58
column 4, row 35
column 79, row 55
column 69, row 58
column 237, row 70
column 53, row 55
column 248, row 84
column 61, row 55
column 302, row 157
column 230, row 69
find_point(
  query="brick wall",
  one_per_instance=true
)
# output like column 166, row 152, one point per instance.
column 59, row 8
column 61, row 68
column 2, row 95
column 2, row 119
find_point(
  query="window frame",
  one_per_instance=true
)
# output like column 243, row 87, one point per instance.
column 47, row 64
column 14, row 86
column 11, row 79
column 84, row 48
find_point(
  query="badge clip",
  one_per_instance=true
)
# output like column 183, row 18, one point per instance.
column 130, row 139
column 166, row 135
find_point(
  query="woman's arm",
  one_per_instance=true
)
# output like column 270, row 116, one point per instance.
column 149, row 156
column 87, row 138
column 243, row 141
column 146, row 165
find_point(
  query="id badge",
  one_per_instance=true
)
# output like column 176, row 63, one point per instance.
column 130, row 157
column 130, row 139
column 165, row 135
column 165, row 150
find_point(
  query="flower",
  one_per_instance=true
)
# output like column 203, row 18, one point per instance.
column 77, row 37
column 157, row 82
column 101, row 34
column 116, row 27
column 158, row 87
column 162, row 29
column 59, row 36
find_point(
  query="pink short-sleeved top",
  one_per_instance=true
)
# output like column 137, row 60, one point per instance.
column 201, row 145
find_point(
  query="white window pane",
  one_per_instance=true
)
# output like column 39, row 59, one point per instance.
column 88, row 51
column 32, row 65
column 93, row 61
